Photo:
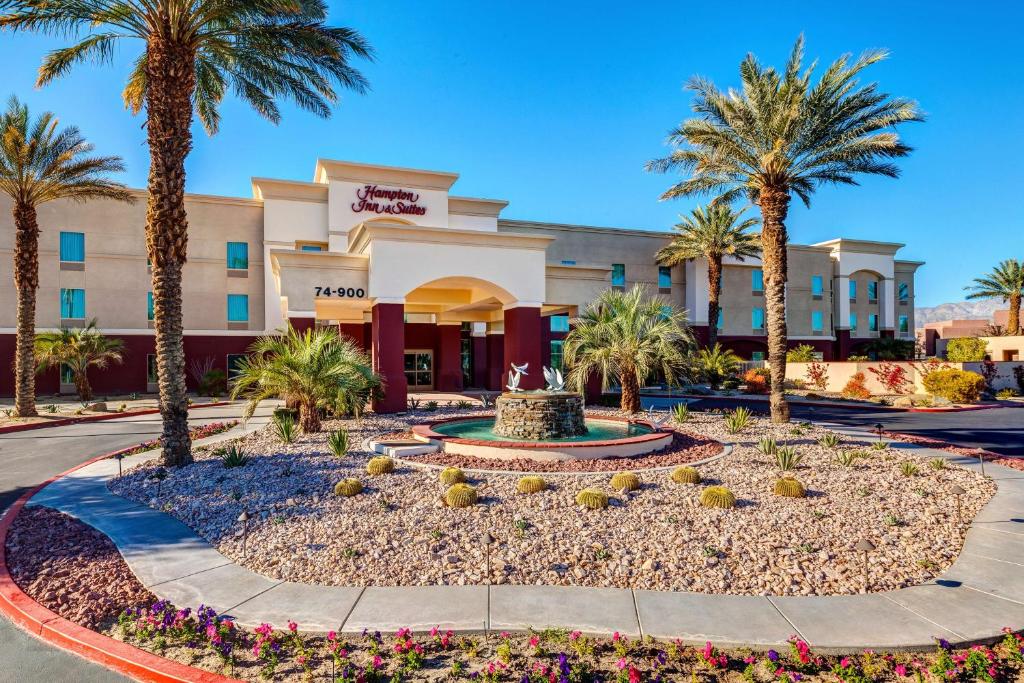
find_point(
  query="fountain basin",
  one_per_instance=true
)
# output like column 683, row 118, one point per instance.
column 539, row 415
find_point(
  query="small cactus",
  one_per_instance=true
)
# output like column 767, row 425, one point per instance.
column 788, row 487
column 592, row 499
column 382, row 464
column 686, row 475
column 348, row 488
column 460, row 496
column 452, row 475
column 717, row 497
column 625, row 481
column 531, row 484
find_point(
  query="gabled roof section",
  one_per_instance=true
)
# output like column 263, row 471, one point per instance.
column 330, row 169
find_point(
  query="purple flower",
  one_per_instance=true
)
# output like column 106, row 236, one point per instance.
column 773, row 656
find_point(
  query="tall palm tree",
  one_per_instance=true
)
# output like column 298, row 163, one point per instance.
column 1006, row 282
column 79, row 349
column 778, row 136
column 194, row 52
column 711, row 233
column 41, row 162
column 316, row 369
column 629, row 337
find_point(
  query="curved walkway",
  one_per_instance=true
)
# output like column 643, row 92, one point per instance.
column 981, row 593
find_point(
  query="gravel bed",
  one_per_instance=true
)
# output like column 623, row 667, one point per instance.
column 399, row 532
column 71, row 568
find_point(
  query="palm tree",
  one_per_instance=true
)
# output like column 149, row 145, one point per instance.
column 1006, row 282
column 779, row 136
column 78, row 349
column 629, row 337
column 714, row 364
column 195, row 51
column 711, row 233
column 40, row 162
column 316, row 369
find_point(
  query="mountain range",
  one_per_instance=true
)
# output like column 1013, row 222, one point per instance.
column 960, row 310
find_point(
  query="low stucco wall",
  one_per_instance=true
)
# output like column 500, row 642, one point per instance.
column 839, row 373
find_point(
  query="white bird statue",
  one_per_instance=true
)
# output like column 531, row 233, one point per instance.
column 553, row 377
column 656, row 420
column 515, row 375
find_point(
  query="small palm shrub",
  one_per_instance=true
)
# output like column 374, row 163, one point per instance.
column 686, row 475
column 460, row 496
column 531, row 484
column 430, row 406
column 338, row 443
column 680, row 413
column 880, row 445
column 829, row 440
column 787, row 458
column 284, row 427
column 788, row 487
column 848, row 458
column 717, row 497
column 592, row 499
column 767, row 446
column 938, row 463
column 463, row 405
column 348, row 488
column 737, row 420
column 233, row 456
column 452, row 475
column 625, row 481
column 382, row 464
column 908, row 469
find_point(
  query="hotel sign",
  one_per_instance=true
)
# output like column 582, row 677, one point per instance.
column 388, row 200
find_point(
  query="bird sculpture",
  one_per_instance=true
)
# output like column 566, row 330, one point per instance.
column 553, row 376
column 515, row 375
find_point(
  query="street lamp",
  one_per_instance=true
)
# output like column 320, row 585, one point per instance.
column 865, row 546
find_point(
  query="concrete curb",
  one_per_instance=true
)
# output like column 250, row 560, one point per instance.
column 10, row 429
column 838, row 404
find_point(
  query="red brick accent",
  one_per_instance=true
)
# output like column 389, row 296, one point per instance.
column 495, row 361
column 522, row 345
column 302, row 324
column 448, row 373
column 480, row 367
column 426, row 431
column 388, row 350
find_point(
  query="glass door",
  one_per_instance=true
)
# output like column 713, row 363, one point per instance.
column 419, row 369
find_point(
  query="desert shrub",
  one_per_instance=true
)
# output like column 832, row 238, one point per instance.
column 767, row 446
column 856, row 387
column 233, row 456
column 787, row 458
column 382, row 464
column 213, row 383
column 989, row 372
column 625, row 481
column 966, row 350
column 531, row 484
column 338, row 443
column 788, row 487
column 686, row 475
column 452, row 475
column 592, row 499
column 804, row 353
column 460, row 496
column 737, row 420
column 857, row 358
column 717, row 497
column 848, row 458
column 829, row 440
column 891, row 376
column 958, row 386
column 713, row 365
column 880, row 446
column 284, row 426
column 908, row 469
column 348, row 488
column 1007, row 393
column 757, row 380
column 938, row 463
column 817, row 376
column 680, row 413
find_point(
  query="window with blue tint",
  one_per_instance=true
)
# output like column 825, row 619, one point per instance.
column 817, row 321
column 72, row 246
column 853, row 289
column 757, row 355
column 853, row 321
column 664, row 277
column 619, row 275
column 904, row 291
column 238, row 255
column 873, row 290
column 72, row 304
column 311, row 247
column 238, row 308
column 721, row 318
column 872, row 322
column 149, row 306
column 757, row 280
column 904, row 324
column 757, row 318
column 817, row 286
column 560, row 323
column 556, row 354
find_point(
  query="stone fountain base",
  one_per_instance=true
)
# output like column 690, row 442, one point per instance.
column 539, row 416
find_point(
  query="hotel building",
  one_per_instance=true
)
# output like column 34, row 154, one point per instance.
column 440, row 289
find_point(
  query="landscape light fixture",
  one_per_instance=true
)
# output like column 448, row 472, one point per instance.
column 880, row 430
column 865, row 546
column 487, row 539
column 119, row 457
column 958, row 491
column 244, row 519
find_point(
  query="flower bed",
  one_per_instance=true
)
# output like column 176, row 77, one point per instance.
column 989, row 456
column 194, row 433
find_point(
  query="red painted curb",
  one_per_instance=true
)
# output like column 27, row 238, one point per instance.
column 10, row 429
column 819, row 404
column 95, row 647
column 426, row 431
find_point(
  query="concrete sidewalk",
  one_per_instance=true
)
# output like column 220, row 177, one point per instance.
column 979, row 595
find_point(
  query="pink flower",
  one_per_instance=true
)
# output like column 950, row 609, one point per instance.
column 621, row 663
column 901, row 670
column 292, row 626
column 634, row 675
column 377, row 661
column 434, row 631
column 616, row 637
column 332, row 636
column 575, row 635
column 534, row 641
column 750, row 659
column 844, row 662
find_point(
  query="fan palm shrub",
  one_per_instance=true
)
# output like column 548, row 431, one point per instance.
column 1006, row 282
column 78, row 349
column 781, row 135
column 41, row 162
column 194, row 53
column 313, row 370
column 711, row 233
column 714, row 364
column 627, row 337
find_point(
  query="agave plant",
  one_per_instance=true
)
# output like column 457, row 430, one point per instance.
column 680, row 413
column 787, row 458
column 829, row 440
column 737, row 420
column 768, row 446
column 233, row 456
column 284, row 427
column 337, row 441
column 908, row 469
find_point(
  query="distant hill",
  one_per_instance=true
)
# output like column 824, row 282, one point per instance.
column 961, row 310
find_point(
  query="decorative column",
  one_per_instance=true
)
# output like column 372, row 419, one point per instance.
column 302, row 324
column 495, row 356
column 388, row 352
column 449, row 356
column 480, row 367
column 887, row 306
column 522, row 343
column 354, row 331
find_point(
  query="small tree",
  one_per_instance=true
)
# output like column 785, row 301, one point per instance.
column 817, row 376
column 714, row 365
column 966, row 350
column 989, row 371
column 78, row 349
column 891, row 376
column 856, row 387
column 804, row 353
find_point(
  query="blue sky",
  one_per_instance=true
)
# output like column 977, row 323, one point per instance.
column 556, row 106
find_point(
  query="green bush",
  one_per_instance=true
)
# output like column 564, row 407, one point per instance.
column 966, row 350
column 957, row 386
column 804, row 353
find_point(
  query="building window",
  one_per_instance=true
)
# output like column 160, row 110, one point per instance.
column 872, row 322
column 619, row 275
column 151, row 377
column 149, row 306
column 853, row 321
column 72, row 247
column 817, row 321
column 853, row 290
column 568, row 262
column 238, row 255
column 873, row 291
column 904, row 324
column 560, row 323
column 556, row 354
column 757, row 281
column 720, row 323
column 238, row 308
column 817, row 286
column 66, row 376
column 757, row 355
column 665, row 278
column 72, row 304
column 311, row 247
column 904, row 292
column 234, row 362
column 757, row 318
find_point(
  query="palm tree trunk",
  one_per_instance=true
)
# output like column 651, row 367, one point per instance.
column 83, row 387
column 630, row 392
column 26, row 280
column 1013, row 322
column 714, row 294
column 774, row 207
column 309, row 418
column 170, row 69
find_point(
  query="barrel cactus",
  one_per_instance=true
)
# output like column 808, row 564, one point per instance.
column 717, row 497
column 348, row 488
column 592, row 499
column 686, row 475
column 382, row 464
column 625, row 481
column 452, row 475
column 460, row 496
column 789, row 488
column 531, row 484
